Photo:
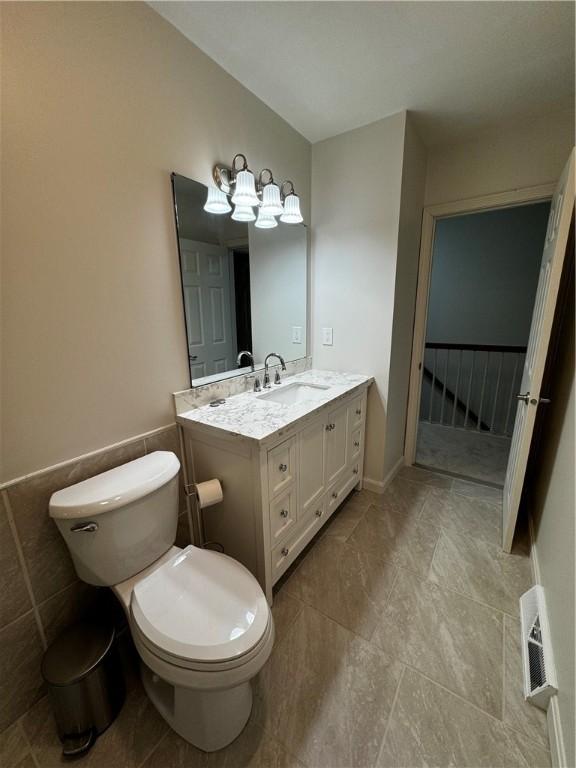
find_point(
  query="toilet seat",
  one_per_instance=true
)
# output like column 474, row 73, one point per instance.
column 201, row 610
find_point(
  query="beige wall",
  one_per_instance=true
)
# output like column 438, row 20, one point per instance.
column 100, row 101
column 553, row 512
column 523, row 155
column 356, row 181
column 411, row 202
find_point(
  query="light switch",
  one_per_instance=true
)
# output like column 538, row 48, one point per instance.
column 327, row 337
column 296, row 334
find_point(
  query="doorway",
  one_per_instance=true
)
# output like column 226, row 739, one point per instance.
column 482, row 275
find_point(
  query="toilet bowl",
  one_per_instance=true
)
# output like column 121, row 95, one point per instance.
column 199, row 619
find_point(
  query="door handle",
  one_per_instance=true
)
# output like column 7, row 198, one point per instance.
column 525, row 398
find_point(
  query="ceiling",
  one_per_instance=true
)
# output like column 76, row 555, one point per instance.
column 328, row 67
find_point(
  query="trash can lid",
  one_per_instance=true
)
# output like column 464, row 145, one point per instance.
column 76, row 652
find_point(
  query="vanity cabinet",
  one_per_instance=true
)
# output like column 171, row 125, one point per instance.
column 279, row 492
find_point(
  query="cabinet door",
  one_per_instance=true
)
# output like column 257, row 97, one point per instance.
column 311, row 465
column 336, row 443
column 356, row 412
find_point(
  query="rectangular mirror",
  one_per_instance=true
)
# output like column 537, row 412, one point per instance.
column 243, row 288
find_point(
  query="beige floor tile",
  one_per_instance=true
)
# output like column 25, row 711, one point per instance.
column 285, row 610
column 14, row 747
column 397, row 538
column 481, row 571
column 403, row 496
column 419, row 475
column 451, row 639
column 475, row 517
column 478, row 491
column 518, row 713
column 345, row 519
column 327, row 694
column 348, row 585
column 254, row 748
column 431, row 727
column 125, row 744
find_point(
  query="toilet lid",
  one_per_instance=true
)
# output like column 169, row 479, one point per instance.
column 201, row 605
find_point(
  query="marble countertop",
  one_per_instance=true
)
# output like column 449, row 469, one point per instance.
column 254, row 417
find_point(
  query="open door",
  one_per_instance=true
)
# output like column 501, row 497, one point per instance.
column 538, row 342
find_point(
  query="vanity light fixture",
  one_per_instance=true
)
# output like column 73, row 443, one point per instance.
column 239, row 183
column 291, row 213
column 217, row 201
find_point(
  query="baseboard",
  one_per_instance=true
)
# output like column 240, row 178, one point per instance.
column 557, row 751
column 379, row 486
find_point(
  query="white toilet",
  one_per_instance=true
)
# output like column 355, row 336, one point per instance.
column 199, row 619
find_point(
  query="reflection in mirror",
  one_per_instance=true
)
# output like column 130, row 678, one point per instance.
column 243, row 288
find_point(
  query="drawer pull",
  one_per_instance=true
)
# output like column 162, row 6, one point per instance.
column 318, row 513
column 283, row 467
column 334, row 495
column 356, row 444
column 284, row 551
column 283, row 513
column 358, row 412
column 330, row 427
column 355, row 471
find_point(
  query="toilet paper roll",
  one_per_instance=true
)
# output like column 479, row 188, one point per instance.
column 209, row 493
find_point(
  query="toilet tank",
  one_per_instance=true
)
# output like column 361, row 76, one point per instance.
column 117, row 523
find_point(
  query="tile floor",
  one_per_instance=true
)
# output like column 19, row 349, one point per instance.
column 477, row 455
column 397, row 645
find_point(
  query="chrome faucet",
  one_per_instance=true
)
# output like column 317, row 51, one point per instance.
column 277, row 378
column 249, row 355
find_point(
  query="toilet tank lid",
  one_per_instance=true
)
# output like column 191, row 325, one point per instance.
column 116, row 487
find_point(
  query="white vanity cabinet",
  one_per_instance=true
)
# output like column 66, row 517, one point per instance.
column 279, row 492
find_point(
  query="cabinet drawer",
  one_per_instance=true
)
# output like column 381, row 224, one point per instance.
column 286, row 552
column 281, row 467
column 355, row 444
column 282, row 516
column 338, row 492
column 356, row 412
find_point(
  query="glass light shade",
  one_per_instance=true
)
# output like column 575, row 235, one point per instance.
column 217, row 202
column 243, row 213
column 271, row 203
column 291, row 213
column 265, row 221
column 245, row 192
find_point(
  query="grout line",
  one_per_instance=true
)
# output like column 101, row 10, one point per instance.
column 392, row 708
column 155, row 747
column 24, row 568
column 31, row 750
column 504, row 669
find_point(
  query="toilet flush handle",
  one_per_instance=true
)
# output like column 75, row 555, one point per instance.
column 84, row 527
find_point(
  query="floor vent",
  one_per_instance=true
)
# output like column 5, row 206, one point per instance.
column 539, row 671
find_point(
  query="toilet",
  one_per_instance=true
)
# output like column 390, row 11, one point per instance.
column 198, row 618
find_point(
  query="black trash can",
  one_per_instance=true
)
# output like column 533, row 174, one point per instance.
column 84, row 676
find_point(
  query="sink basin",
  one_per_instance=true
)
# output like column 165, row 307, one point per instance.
column 295, row 393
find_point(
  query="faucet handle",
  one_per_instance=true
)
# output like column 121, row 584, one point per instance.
column 257, row 387
column 277, row 379
column 266, row 380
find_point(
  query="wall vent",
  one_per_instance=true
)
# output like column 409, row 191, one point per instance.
column 538, row 663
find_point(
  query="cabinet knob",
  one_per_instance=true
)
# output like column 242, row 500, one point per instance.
column 334, row 495
column 355, row 471
column 356, row 444
column 318, row 513
column 330, row 427
column 284, row 551
column 283, row 513
column 283, row 467
column 358, row 412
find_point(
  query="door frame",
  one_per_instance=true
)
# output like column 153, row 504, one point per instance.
column 430, row 214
